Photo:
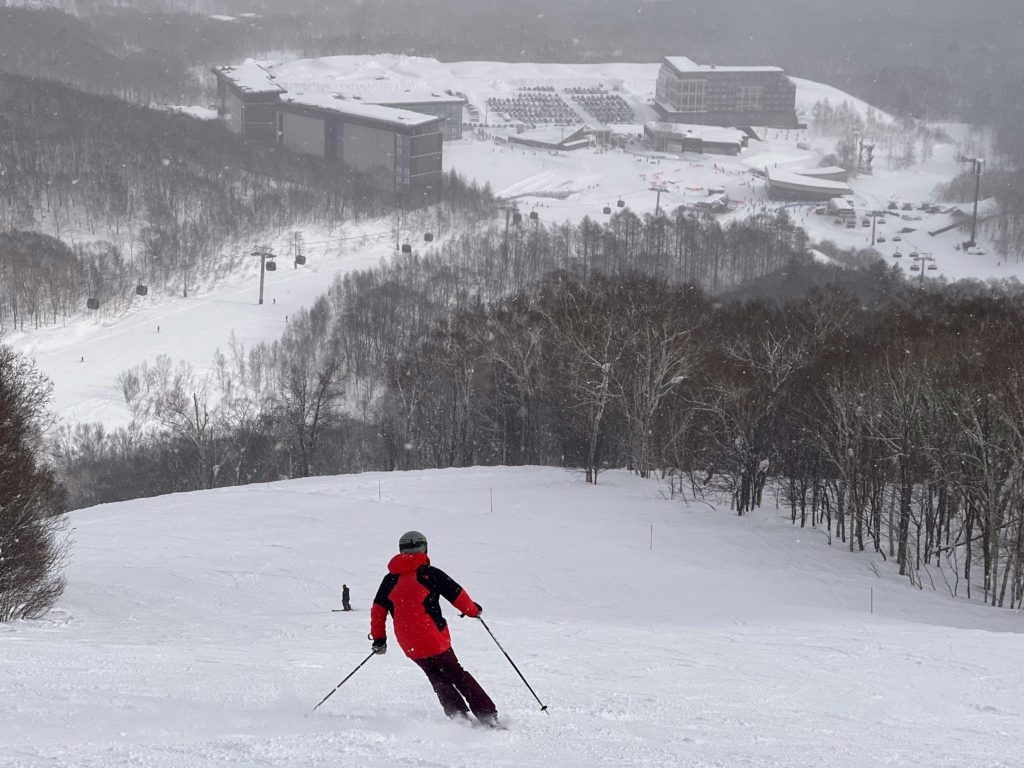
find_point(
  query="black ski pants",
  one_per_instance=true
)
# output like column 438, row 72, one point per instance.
column 455, row 687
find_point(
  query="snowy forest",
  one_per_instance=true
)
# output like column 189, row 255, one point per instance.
column 887, row 416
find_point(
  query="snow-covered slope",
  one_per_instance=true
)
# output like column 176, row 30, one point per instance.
column 197, row 631
column 85, row 357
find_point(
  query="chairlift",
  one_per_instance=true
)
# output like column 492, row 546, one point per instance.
column 300, row 259
column 406, row 248
column 933, row 266
column 915, row 255
column 428, row 237
column 92, row 303
column 271, row 266
column 914, row 268
column 141, row 290
column 897, row 255
column 517, row 218
column 621, row 203
column 607, row 209
column 534, row 215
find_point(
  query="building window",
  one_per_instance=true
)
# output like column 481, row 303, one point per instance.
column 751, row 98
column 690, row 95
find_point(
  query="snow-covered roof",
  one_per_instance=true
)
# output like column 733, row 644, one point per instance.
column 359, row 109
column 709, row 133
column 796, row 181
column 681, row 62
column 385, row 98
column 831, row 170
column 628, row 128
column 553, row 134
column 985, row 206
column 684, row 65
column 250, row 77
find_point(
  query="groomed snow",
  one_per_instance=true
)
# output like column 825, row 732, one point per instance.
column 197, row 631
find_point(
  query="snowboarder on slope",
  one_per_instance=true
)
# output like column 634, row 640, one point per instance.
column 410, row 594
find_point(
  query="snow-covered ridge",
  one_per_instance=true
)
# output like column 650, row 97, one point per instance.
column 197, row 630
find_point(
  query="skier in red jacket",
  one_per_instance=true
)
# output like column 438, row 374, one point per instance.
column 410, row 594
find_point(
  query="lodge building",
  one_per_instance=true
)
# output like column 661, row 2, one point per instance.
column 395, row 139
column 396, row 149
column 445, row 106
column 247, row 98
column 735, row 97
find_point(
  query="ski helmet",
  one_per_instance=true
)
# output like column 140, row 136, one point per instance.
column 411, row 542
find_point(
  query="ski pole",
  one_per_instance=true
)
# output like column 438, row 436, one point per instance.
column 325, row 698
column 543, row 706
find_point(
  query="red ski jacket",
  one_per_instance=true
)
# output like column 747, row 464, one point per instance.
column 410, row 594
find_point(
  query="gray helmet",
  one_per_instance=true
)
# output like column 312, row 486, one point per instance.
column 411, row 542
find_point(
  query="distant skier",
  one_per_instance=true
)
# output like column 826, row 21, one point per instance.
column 345, row 605
column 410, row 594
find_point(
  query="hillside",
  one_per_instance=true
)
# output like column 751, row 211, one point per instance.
column 197, row 631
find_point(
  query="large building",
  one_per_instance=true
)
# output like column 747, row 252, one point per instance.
column 442, row 105
column 397, row 149
column 248, row 97
column 706, row 94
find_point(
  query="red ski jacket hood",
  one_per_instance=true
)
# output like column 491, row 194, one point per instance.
column 410, row 594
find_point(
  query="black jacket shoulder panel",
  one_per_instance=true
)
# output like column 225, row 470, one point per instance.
column 439, row 582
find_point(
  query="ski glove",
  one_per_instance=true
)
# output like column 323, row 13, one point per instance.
column 380, row 646
column 479, row 610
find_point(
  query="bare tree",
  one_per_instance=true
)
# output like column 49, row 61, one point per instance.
column 179, row 401
column 309, row 381
column 32, row 545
